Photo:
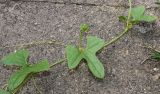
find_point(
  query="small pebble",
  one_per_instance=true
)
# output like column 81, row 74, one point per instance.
column 155, row 69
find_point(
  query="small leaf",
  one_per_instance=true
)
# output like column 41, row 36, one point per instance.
column 148, row 18
column 41, row 66
column 137, row 12
column 74, row 56
column 122, row 19
column 94, row 44
column 84, row 27
column 3, row 92
column 18, row 58
column 94, row 64
column 156, row 55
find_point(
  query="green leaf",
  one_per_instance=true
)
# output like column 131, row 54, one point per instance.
column 41, row 66
column 84, row 27
column 94, row 64
column 156, row 55
column 148, row 18
column 74, row 56
column 3, row 92
column 18, row 58
column 19, row 77
column 94, row 44
column 137, row 12
column 122, row 19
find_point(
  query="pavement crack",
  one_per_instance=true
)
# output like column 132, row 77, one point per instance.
column 55, row 2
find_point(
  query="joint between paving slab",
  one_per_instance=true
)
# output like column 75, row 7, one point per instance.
column 76, row 3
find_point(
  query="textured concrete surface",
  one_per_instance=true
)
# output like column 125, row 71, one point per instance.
column 25, row 21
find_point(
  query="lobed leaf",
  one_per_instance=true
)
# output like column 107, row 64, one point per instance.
column 19, row 77
column 18, row 58
column 137, row 14
column 74, row 56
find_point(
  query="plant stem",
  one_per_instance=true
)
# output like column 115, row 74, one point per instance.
column 34, row 43
column 58, row 62
column 126, row 30
column 129, row 13
column 80, row 39
column 116, row 38
column 151, row 48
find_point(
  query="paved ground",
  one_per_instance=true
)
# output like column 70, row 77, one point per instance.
column 28, row 20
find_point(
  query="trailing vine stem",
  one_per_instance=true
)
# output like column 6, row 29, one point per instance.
column 126, row 30
column 58, row 62
column 80, row 39
column 41, row 42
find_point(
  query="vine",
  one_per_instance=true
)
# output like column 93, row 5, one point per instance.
column 74, row 53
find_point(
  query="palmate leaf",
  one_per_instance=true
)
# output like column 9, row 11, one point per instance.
column 18, row 58
column 74, row 56
column 19, row 77
column 3, row 92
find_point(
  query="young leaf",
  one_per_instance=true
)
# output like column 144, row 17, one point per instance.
column 156, row 55
column 84, row 27
column 74, row 56
column 137, row 13
column 3, row 92
column 148, row 18
column 18, row 58
column 18, row 78
column 122, row 19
